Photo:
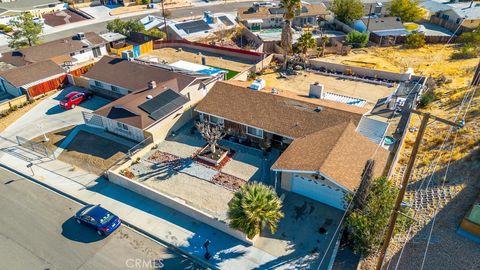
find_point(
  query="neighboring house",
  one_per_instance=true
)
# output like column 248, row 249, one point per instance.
column 35, row 7
column 385, row 26
column 146, row 113
column 197, row 29
column 32, row 79
column 130, row 83
column 324, row 157
column 463, row 16
column 114, row 40
column 68, row 52
column 113, row 78
column 257, row 18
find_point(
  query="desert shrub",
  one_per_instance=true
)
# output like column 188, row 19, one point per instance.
column 466, row 51
column 357, row 39
column 414, row 41
column 5, row 28
column 427, row 98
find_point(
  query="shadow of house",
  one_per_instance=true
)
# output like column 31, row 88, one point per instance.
column 444, row 239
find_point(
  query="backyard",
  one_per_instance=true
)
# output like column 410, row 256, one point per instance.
column 171, row 55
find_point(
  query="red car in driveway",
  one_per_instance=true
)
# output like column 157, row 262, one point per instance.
column 71, row 100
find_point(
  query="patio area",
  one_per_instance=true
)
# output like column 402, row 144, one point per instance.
column 172, row 168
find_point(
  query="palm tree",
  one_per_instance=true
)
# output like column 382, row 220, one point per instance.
column 324, row 44
column 305, row 42
column 254, row 207
column 291, row 7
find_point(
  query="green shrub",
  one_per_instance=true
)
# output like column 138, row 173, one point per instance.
column 427, row 98
column 467, row 51
column 357, row 39
column 414, row 41
column 5, row 28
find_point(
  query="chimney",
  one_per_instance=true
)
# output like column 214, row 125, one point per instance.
column 316, row 90
column 152, row 84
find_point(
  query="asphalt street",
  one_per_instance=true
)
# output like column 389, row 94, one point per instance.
column 37, row 231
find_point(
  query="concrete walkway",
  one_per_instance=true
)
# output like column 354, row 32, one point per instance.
column 166, row 225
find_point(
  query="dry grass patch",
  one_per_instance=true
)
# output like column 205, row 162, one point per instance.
column 55, row 138
column 92, row 152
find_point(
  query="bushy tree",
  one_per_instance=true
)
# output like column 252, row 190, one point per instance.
column 155, row 32
column 407, row 10
column 414, row 40
column 357, row 39
column 253, row 208
column 365, row 225
column 25, row 31
column 125, row 27
column 291, row 6
column 347, row 10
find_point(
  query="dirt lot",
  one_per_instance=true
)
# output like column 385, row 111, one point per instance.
column 463, row 174
column 172, row 55
column 300, row 84
column 92, row 152
column 55, row 138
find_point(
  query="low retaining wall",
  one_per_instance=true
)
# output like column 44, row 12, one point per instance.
column 360, row 71
column 14, row 102
column 176, row 204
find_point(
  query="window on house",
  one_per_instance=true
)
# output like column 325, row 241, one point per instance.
column 216, row 120
column 72, row 54
column 255, row 132
column 82, row 51
column 115, row 89
column 445, row 17
column 122, row 126
column 98, row 84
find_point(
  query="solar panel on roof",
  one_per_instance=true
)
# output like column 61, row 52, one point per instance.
column 225, row 20
column 193, row 27
column 163, row 104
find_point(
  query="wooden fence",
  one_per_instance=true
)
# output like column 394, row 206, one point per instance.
column 400, row 40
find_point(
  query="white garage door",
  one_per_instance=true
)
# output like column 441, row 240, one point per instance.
column 318, row 190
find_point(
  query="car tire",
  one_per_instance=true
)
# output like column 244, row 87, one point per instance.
column 78, row 221
column 73, row 106
column 99, row 232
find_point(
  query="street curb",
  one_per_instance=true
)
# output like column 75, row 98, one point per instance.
column 128, row 224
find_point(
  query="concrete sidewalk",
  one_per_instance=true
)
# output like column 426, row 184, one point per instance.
column 166, row 225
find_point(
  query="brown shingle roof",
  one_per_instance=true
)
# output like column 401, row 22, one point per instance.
column 127, row 110
column 30, row 73
column 323, row 141
column 248, row 13
column 133, row 75
column 51, row 49
column 340, row 153
column 273, row 113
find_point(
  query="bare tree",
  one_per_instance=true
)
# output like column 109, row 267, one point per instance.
column 211, row 133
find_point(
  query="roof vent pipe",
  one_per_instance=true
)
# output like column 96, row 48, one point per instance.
column 152, row 84
column 149, row 97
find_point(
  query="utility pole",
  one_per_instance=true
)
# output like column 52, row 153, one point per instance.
column 369, row 16
column 164, row 20
column 406, row 177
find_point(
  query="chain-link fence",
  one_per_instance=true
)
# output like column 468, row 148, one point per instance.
column 36, row 147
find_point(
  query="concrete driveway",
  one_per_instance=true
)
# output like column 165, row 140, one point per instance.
column 48, row 115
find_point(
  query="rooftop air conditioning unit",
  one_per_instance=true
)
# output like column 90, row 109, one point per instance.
column 316, row 91
column 81, row 35
column 127, row 55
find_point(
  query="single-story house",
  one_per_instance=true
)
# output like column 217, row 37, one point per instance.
column 325, row 156
column 35, row 7
column 146, row 113
column 67, row 52
column 33, row 79
column 197, row 29
column 465, row 15
column 256, row 18
column 385, row 26
column 113, row 78
column 130, row 83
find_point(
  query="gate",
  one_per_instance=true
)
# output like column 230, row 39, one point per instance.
column 34, row 146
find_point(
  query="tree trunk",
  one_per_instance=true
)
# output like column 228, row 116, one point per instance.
column 213, row 149
column 286, row 42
